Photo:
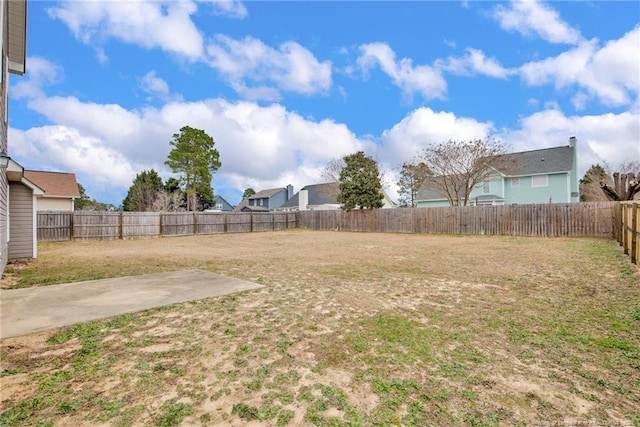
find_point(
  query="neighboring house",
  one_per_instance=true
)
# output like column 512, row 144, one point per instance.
column 548, row 175
column 220, row 205
column 321, row 197
column 17, row 194
column 265, row 200
column 60, row 189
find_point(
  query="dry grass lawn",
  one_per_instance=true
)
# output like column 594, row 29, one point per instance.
column 350, row 329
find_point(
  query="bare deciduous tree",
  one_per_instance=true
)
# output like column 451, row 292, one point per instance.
column 459, row 166
column 412, row 177
column 169, row 202
column 332, row 170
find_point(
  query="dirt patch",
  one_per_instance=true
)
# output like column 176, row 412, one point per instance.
column 350, row 328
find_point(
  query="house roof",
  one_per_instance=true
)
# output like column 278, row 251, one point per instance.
column 543, row 161
column 17, row 35
column 264, row 194
column 546, row 160
column 267, row 193
column 248, row 208
column 430, row 189
column 221, row 200
column 319, row 194
column 54, row 184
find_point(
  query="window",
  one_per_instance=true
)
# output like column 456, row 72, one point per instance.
column 486, row 188
column 539, row 181
column 515, row 182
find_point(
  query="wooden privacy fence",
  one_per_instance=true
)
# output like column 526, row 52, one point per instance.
column 53, row 226
column 629, row 233
column 544, row 220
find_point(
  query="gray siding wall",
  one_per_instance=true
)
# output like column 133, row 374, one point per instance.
column 20, row 221
column 278, row 200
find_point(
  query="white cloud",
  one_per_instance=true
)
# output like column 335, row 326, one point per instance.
column 158, row 87
column 42, row 73
column 260, row 146
column 157, row 24
column 257, row 70
column 66, row 149
column 424, row 126
column 610, row 73
column 253, row 69
column 610, row 138
column 422, row 79
column 474, row 62
column 229, row 8
column 529, row 17
column 269, row 146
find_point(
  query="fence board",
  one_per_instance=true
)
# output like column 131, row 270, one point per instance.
column 628, row 216
column 210, row 223
column 548, row 220
column 54, row 226
column 544, row 220
column 137, row 225
column 96, row 225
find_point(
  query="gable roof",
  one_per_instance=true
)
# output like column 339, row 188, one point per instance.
column 265, row 194
column 524, row 163
column 430, row 189
column 319, row 194
column 222, row 200
column 546, row 160
column 54, row 184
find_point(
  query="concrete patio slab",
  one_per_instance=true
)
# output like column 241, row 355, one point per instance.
column 23, row 311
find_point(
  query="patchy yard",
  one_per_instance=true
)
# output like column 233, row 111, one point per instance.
column 351, row 329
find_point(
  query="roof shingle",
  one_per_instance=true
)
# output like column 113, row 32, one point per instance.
column 54, row 184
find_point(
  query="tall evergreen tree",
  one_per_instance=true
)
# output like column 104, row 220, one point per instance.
column 143, row 192
column 83, row 202
column 194, row 157
column 360, row 185
column 248, row 193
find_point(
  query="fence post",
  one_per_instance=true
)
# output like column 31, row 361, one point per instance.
column 224, row 222
column 195, row 223
column 251, row 222
column 71, row 215
column 625, row 226
column 634, row 232
column 121, row 226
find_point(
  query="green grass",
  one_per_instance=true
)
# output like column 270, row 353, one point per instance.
column 351, row 329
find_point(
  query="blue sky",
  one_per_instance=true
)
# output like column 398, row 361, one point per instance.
column 285, row 87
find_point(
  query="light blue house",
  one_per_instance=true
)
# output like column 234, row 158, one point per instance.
column 548, row 175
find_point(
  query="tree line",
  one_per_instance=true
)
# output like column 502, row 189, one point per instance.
column 452, row 168
column 192, row 157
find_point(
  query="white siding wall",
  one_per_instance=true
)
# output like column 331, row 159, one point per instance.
column 21, row 221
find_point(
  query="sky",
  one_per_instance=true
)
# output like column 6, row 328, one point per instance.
column 285, row 87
